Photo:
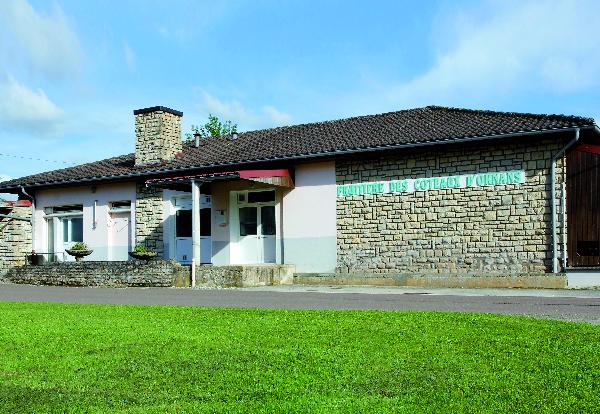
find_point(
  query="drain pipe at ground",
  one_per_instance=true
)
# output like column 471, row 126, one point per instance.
column 553, row 201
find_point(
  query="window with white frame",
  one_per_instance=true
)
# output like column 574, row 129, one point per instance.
column 72, row 228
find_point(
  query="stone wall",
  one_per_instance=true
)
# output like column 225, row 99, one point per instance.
column 157, row 273
column 486, row 230
column 15, row 239
column 157, row 137
column 149, row 218
column 244, row 275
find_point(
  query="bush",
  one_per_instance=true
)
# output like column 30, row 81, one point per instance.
column 141, row 249
column 79, row 246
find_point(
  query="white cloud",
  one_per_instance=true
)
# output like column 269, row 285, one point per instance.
column 512, row 47
column 130, row 59
column 236, row 112
column 45, row 41
column 23, row 109
column 278, row 117
column 4, row 177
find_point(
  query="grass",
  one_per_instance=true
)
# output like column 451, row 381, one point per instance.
column 103, row 358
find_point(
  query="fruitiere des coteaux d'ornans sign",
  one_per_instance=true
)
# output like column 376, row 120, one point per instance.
column 432, row 183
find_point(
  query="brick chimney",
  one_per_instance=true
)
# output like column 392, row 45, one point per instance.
column 157, row 135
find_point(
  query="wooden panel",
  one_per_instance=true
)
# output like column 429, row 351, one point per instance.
column 583, row 208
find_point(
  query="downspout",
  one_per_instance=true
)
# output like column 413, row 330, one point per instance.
column 32, row 217
column 564, row 225
column 553, row 199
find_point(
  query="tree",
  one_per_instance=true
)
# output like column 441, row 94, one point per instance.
column 213, row 128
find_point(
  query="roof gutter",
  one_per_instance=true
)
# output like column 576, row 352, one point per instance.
column 310, row 156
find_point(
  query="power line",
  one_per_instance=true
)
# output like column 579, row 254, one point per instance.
column 22, row 157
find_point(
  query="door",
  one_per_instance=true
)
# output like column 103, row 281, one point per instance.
column 72, row 232
column 257, row 234
column 248, row 236
column 583, row 206
column 120, row 236
column 183, row 231
column 50, row 228
column 267, row 230
column 183, row 236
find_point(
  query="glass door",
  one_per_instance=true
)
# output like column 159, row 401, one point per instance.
column 257, row 234
column 183, row 230
column 267, row 232
column 248, row 241
column 50, row 228
column 72, row 232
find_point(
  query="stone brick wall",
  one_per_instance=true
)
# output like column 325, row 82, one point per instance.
column 15, row 239
column 485, row 230
column 157, row 273
column 244, row 275
column 149, row 218
column 157, row 137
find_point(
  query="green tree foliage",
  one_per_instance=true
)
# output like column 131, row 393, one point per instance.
column 213, row 128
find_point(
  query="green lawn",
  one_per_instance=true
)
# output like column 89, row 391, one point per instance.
column 101, row 358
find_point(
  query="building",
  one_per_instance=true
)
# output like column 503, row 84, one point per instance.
column 431, row 196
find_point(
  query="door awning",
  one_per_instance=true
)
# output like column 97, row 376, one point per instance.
column 279, row 177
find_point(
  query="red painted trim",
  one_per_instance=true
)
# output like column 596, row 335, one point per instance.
column 594, row 149
column 264, row 173
column 23, row 203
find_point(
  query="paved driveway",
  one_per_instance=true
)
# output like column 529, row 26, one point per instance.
column 570, row 305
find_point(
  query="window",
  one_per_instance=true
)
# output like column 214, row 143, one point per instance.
column 261, row 196
column 68, row 209
column 205, row 222
column 120, row 206
column 267, row 220
column 183, row 223
column 248, row 221
column 72, row 229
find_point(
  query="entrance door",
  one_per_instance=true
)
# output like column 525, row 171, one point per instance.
column 183, row 230
column 120, row 236
column 72, row 232
column 583, row 206
column 257, row 234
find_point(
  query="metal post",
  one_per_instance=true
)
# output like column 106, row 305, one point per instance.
column 195, row 223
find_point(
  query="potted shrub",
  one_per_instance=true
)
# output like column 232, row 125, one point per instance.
column 79, row 250
column 142, row 253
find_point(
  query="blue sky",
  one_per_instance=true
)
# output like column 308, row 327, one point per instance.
column 72, row 72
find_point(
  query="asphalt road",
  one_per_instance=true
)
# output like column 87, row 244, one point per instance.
column 576, row 306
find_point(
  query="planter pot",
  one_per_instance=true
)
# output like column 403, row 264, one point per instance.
column 35, row 259
column 79, row 254
column 143, row 256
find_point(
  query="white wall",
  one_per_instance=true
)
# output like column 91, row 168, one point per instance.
column 96, row 238
column 309, row 219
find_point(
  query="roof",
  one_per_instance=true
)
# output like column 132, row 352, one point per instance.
column 411, row 127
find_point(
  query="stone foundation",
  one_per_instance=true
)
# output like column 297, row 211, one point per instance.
column 244, row 275
column 526, row 281
column 155, row 273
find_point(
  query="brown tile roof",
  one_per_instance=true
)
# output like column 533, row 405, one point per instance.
column 428, row 125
